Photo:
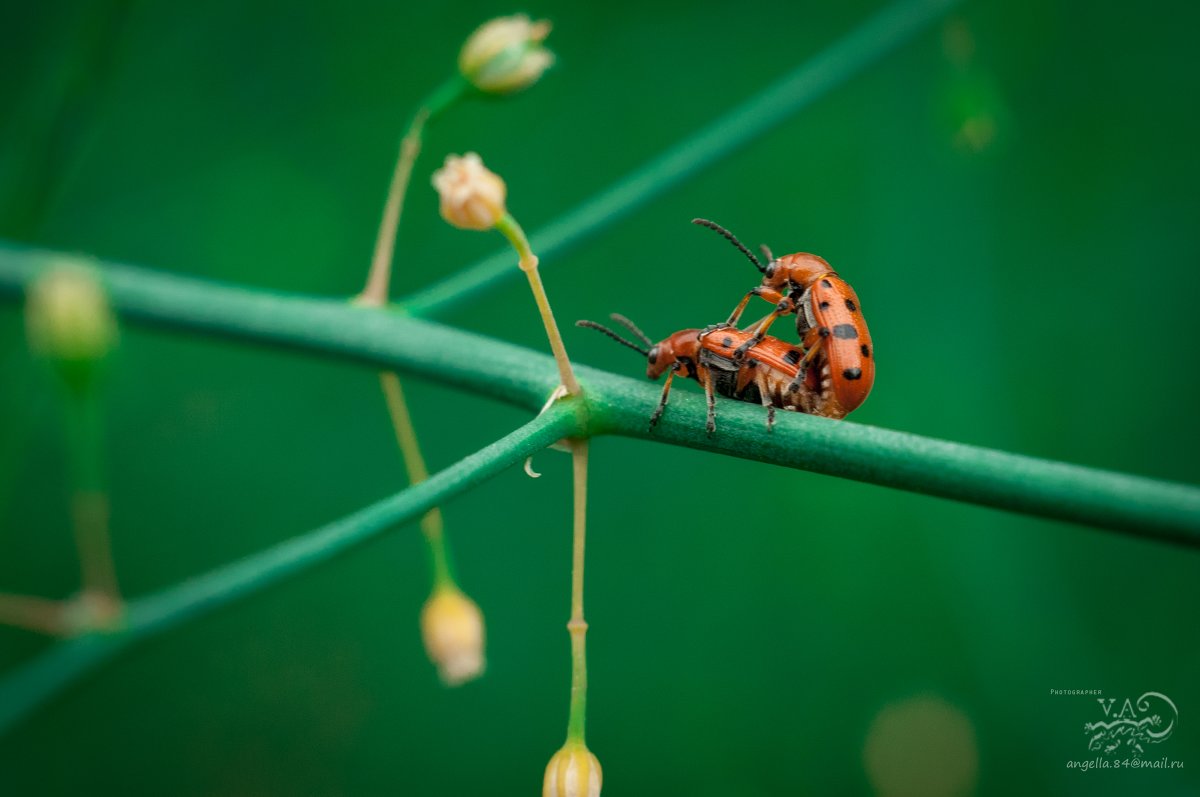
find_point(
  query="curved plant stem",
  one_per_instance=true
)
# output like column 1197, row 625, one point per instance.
column 406, row 437
column 577, row 626
column 67, row 92
column 529, row 265
column 375, row 294
column 98, row 604
column 1137, row 506
column 845, row 58
column 89, row 504
column 31, row 684
column 43, row 615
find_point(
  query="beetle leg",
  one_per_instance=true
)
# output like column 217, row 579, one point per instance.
column 812, row 345
column 769, row 294
column 736, row 315
column 782, row 307
column 768, row 400
column 662, row 402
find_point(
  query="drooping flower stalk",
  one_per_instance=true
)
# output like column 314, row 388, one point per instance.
column 574, row 770
column 472, row 197
column 501, row 56
column 70, row 323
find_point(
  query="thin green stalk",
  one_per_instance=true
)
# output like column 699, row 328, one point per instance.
column 1139, row 507
column 838, row 63
column 375, row 294
column 33, row 613
column 528, row 264
column 577, row 626
column 47, row 130
column 26, row 687
column 89, row 502
column 432, row 526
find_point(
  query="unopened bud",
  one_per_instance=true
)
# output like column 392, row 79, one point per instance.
column 472, row 197
column 68, row 319
column 452, row 627
column 506, row 54
column 572, row 772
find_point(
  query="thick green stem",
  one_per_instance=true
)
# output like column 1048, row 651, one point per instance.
column 1136, row 506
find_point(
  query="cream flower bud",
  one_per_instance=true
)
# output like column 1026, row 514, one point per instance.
column 452, row 627
column 68, row 319
column 68, row 316
column 472, row 196
column 572, row 772
column 506, row 54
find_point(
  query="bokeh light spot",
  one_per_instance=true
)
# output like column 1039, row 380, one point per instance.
column 921, row 747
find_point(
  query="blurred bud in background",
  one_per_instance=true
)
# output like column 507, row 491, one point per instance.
column 506, row 54
column 971, row 103
column 921, row 747
column 572, row 772
column 472, row 197
column 69, row 321
column 452, row 627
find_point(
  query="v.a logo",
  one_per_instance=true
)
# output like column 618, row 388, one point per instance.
column 1149, row 720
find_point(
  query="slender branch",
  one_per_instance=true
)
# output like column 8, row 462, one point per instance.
column 68, row 93
column 89, row 502
column 860, row 48
column 44, row 615
column 482, row 366
column 432, row 525
column 577, row 626
column 375, row 294
column 529, row 265
column 31, row 684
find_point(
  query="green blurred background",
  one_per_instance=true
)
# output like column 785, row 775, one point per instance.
column 1014, row 196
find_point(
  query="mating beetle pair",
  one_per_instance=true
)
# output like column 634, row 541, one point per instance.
column 829, row 374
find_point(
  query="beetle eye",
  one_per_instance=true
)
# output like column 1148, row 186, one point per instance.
column 771, row 269
column 653, row 355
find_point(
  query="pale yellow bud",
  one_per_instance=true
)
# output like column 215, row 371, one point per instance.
column 452, row 627
column 572, row 772
column 67, row 316
column 472, row 197
column 506, row 54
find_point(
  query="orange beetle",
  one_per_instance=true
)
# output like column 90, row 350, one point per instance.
column 831, row 325
column 765, row 377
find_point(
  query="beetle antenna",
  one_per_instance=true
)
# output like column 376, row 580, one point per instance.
column 727, row 235
column 614, row 336
column 632, row 327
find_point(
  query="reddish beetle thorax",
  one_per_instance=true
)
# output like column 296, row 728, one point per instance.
column 665, row 354
column 801, row 269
